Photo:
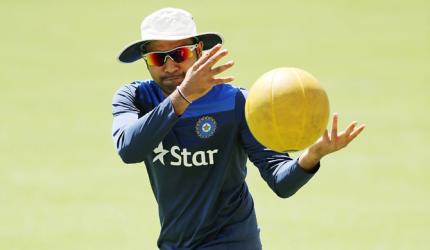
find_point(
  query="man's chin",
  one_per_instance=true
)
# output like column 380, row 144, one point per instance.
column 174, row 81
column 169, row 85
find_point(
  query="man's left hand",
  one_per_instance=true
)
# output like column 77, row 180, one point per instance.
column 329, row 143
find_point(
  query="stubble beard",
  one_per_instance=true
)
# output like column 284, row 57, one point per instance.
column 169, row 83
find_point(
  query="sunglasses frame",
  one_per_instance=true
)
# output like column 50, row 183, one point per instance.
column 167, row 53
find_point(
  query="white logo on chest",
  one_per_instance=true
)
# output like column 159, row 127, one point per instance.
column 184, row 157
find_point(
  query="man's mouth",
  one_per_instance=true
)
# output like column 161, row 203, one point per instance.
column 174, row 78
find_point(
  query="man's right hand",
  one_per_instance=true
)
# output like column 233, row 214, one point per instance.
column 202, row 76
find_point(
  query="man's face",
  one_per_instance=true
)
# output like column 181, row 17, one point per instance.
column 171, row 74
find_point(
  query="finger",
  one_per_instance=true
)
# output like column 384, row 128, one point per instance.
column 215, row 58
column 334, row 126
column 325, row 136
column 207, row 55
column 221, row 80
column 222, row 68
column 345, row 135
column 350, row 128
column 356, row 132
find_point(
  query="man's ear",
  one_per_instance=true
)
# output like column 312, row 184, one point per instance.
column 144, row 61
column 199, row 49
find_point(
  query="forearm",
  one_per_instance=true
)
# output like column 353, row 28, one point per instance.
column 180, row 102
column 290, row 176
column 308, row 160
column 284, row 175
column 137, row 138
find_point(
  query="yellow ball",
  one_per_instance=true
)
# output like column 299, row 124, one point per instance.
column 287, row 109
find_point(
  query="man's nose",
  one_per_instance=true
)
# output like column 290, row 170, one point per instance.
column 170, row 65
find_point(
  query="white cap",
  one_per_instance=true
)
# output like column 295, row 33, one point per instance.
column 167, row 24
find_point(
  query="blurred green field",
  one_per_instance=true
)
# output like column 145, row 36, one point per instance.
column 62, row 186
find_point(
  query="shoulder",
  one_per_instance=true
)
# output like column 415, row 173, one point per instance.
column 229, row 90
column 130, row 91
column 126, row 91
column 234, row 95
column 227, row 93
column 239, row 94
column 131, row 88
column 232, row 89
column 126, row 98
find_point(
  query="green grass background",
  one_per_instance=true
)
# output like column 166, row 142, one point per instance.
column 62, row 185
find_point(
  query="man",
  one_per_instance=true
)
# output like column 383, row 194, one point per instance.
column 187, row 125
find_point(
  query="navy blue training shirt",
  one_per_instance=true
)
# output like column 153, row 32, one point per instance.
column 196, row 164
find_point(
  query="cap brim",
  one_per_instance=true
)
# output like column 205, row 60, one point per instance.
column 132, row 52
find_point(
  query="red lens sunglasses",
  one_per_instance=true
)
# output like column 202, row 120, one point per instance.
column 179, row 54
